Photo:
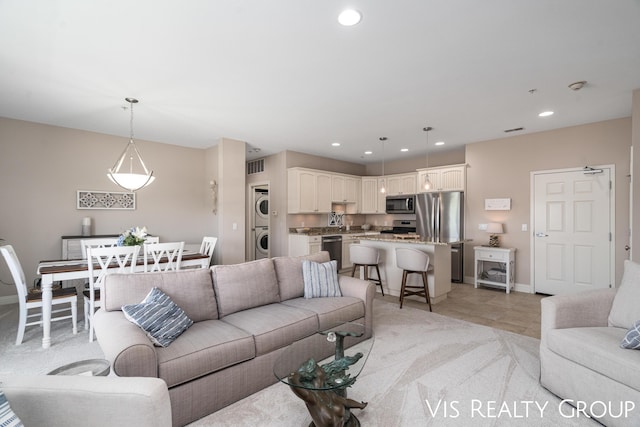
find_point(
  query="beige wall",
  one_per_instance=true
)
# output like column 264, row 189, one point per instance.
column 635, row 138
column 439, row 158
column 42, row 167
column 501, row 169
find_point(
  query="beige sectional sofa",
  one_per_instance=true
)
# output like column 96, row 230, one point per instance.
column 581, row 360
column 244, row 316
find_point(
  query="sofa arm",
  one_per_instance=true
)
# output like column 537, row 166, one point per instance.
column 590, row 308
column 125, row 345
column 79, row 400
column 354, row 287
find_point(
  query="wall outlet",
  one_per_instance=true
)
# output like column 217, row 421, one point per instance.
column 525, row 227
column 482, row 227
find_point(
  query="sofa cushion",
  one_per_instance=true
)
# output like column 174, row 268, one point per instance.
column 331, row 311
column 598, row 349
column 162, row 319
column 191, row 290
column 205, row 347
column 320, row 279
column 243, row 286
column 275, row 325
column 631, row 339
column 289, row 273
column 626, row 304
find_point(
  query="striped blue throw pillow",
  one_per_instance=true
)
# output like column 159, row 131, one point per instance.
column 320, row 279
column 632, row 338
column 159, row 317
column 8, row 418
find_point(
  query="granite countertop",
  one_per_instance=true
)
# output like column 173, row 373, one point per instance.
column 392, row 239
column 330, row 231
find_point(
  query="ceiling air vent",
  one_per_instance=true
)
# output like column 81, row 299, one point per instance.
column 255, row 166
column 513, row 130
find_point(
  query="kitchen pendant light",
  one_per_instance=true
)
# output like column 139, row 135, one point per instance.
column 132, row 179
column 427, row 181
column 382, row 187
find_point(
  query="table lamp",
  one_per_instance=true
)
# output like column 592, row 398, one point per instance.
column 494, row 228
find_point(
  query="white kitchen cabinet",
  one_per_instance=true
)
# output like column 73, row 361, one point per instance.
column 373, row 202
column 302, row 244
column 346, row 190
column 309, row 191
column 445, row 178
column 400, row 184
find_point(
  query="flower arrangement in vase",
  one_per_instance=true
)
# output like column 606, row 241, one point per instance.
column 134, row 236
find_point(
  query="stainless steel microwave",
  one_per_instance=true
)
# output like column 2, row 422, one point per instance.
column 401, row 204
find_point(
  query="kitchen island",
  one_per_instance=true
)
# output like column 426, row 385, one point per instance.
column 439, row 280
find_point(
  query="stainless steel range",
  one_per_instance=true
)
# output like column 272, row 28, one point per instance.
column 402, row 226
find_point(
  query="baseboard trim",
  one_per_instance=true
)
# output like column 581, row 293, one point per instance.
column 9, row 299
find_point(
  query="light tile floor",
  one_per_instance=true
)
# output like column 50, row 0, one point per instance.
column 515, row 312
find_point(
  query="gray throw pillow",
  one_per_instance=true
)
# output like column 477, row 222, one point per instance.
column 159, row 317
column 320, row 279
column 632, row 338
column 625, row 308
column 8, row 418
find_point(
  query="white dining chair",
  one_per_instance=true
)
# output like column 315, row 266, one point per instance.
column 28, row 301
column 101, row 262
column 207, row 246
column 163, row 256
column 103, row 242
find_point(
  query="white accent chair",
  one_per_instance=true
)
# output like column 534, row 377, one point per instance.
column 163, row 256
column 29, row 301
column 413, row 261
column 103, row 261
column 207, row 246
column 365, row 256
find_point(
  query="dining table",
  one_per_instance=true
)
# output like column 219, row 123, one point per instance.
column 61, row 270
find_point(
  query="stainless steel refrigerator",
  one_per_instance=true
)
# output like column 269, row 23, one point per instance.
column 440, row 218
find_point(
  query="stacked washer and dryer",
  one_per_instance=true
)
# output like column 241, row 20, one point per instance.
column 260, row 229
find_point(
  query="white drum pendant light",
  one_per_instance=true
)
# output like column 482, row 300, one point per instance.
column 137, row 175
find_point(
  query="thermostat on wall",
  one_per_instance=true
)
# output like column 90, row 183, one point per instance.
column 497, row 204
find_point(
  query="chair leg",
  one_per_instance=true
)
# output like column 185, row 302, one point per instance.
column 86, row 315
column 22, row 324
column 74, row 316
column 91, row 311
column 426, row 288
column 404, row 282
column 353, row 270
column 379, row 279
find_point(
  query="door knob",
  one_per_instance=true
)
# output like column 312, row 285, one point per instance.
column 540, row 234
column 627, row 247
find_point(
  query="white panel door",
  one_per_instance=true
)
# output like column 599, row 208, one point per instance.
column 572, row 231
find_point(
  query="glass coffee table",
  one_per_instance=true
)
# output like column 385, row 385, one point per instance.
column 322, row 384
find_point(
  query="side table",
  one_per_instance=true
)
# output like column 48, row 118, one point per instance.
column 495, row 266
column 90, row 367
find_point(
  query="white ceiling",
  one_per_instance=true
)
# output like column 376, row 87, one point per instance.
column 283, row 74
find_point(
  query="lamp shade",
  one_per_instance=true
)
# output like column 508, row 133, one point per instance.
column 494, row 228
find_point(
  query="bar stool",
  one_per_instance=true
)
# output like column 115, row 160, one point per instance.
column 413, row 261
column 365, row 256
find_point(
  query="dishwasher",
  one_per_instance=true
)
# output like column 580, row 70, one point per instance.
column 333, row 245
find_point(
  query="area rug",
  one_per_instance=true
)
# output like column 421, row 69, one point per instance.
column 428, row 370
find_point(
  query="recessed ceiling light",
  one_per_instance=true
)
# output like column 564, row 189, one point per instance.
column 440, row 143
column 368, row 152
column 545, row 114
column 349, row 17
column 404, row 150
column 335, row 144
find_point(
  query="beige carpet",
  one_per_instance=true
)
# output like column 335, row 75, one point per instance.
column 481, row 376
